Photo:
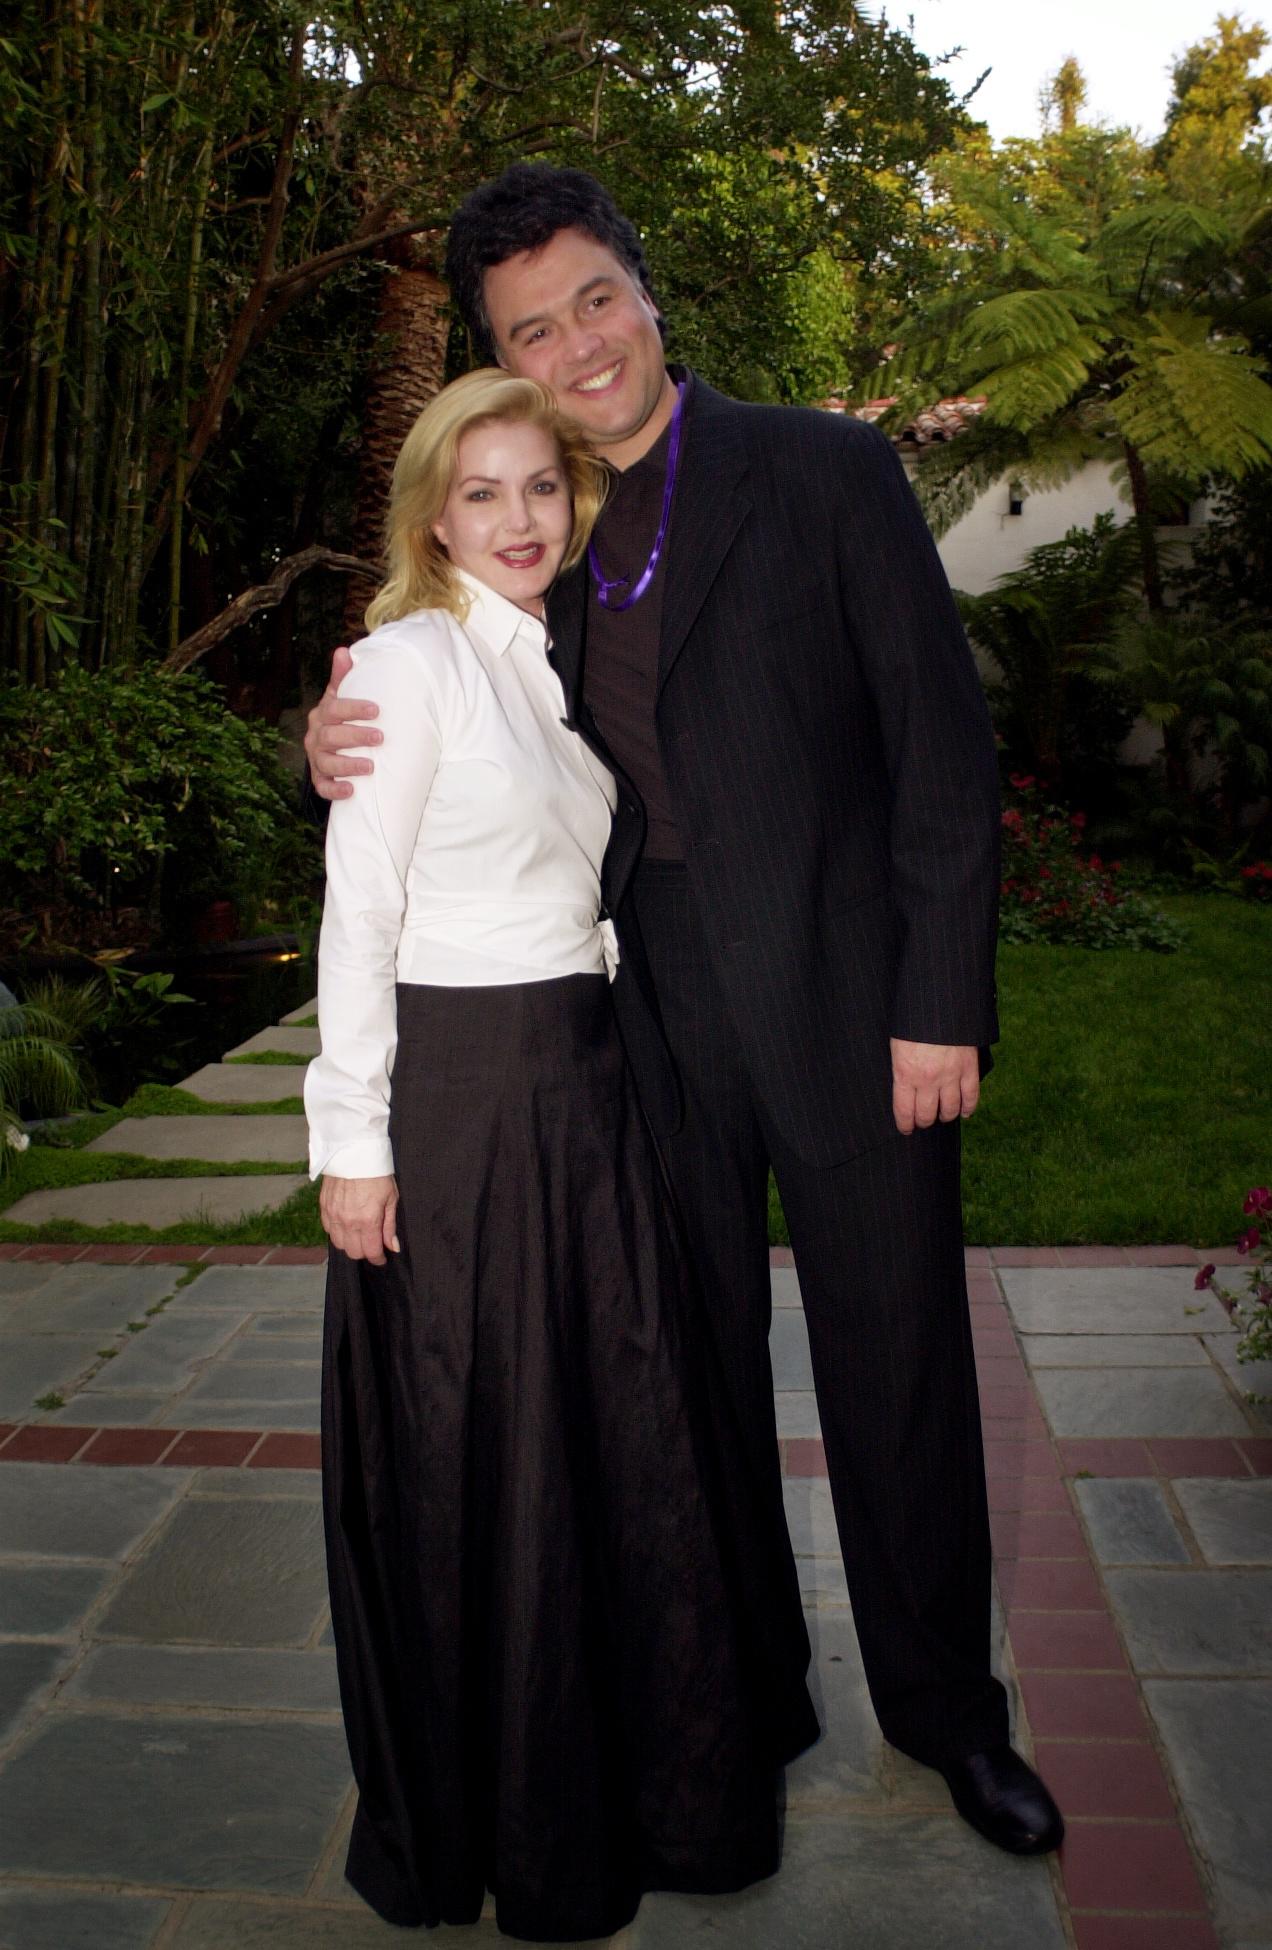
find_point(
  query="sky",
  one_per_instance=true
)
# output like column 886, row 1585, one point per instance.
column 1124, row 47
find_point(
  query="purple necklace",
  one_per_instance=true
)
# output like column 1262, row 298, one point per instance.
column 605, row 586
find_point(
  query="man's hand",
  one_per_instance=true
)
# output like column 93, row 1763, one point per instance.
column 331, row 734
column 359, row 1216
column 931, row 1080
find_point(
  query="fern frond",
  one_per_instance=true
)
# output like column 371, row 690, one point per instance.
column 1195, row 406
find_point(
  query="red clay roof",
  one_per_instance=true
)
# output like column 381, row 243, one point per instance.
column 940, row 422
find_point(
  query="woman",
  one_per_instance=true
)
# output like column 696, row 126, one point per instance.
column 554, row 1684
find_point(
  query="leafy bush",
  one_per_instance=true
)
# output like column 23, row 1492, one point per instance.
column 133, row 788
column 39, row 1072
column 1053, row 891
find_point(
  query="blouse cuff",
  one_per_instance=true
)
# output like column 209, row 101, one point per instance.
column 369, row 1157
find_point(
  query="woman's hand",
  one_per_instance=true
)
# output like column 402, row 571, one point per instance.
column 359, row 1216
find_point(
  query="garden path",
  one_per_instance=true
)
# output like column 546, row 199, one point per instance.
column 172, row 1767
column 267, row 1070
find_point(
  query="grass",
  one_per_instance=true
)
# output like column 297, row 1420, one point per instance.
column 1131, row 1097
column 1130, row 1103
column 165, row 1100
column 288, row 1057
column 292, row 1224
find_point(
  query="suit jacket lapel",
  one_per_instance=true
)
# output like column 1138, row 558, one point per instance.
column 711, row 503
column 567, row 625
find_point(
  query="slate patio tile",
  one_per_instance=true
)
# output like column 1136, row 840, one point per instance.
column 788, row 1350
column 214, row 1413
column 31, row 1366
column 1117, row 1300
column 233, row 1680
column 1195, row 1622
column 1138, row 1402
column 90, row 1299
column 229, row 1573
column 26, row 1667
column 64, row 1919
column 18, row 1282
column 857, row 1880
column 1232, row 1521
column 846, row 1760
column 288, row 1483
column 1130, row 1521
column 48, row 1600
column 797, row 1412
column 785, row 1284
column 258, row 1926
column 191, row 1803
column 162, row 1359
column 1218, row 1735
column 1114, row 1351
column 255, row 1289
column 58, row 1510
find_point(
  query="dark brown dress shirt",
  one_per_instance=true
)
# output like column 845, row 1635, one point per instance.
column 620, row 671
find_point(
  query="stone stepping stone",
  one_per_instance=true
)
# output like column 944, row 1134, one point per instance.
column 246, row 1083
column 305, row 1009
column 158, row 1202
column 282, row 1140
column 288, row 1041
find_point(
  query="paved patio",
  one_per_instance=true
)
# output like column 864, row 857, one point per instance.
column 173, row 1773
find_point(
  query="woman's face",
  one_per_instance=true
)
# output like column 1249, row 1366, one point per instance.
column 507, row 517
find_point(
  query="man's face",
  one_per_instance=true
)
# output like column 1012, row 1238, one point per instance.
column 572, row 316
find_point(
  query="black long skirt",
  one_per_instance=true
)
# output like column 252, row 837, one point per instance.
column 570, row 1645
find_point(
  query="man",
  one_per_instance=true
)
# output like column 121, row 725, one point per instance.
column 803, row 875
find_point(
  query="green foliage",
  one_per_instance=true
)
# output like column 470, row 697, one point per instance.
column 1056, row 892
column 1098, row 312
column 197, row 212
column 40, row 1075
column 1045, row 626
column 1207, row 687
column 124, row 774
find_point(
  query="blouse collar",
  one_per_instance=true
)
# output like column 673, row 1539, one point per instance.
column 497, row 620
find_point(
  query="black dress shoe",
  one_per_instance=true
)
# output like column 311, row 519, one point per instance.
column 1004, row 1800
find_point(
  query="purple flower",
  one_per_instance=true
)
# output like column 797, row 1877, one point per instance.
column 1248, row 1240
column 1258, row 1200
column 1203, row 1279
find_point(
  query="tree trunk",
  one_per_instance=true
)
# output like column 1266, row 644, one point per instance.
column 413, row 325
column 1146, row 525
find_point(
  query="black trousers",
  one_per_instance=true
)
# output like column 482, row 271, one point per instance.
column 879, row 1251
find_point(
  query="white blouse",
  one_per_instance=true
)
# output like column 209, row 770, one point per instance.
column 470, row 857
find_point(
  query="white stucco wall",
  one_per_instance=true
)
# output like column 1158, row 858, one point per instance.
column 988, row 541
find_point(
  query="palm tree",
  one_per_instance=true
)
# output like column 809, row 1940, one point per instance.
column 1122, row 340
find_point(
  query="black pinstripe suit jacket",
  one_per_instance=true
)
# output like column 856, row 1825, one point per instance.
column 831, row 765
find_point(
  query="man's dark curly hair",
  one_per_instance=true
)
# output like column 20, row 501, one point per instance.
column 522, row 210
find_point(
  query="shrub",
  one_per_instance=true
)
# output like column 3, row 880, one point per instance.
column 132, row 788
column 1053, row 891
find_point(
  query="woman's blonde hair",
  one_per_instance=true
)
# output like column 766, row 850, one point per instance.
column 420, row 574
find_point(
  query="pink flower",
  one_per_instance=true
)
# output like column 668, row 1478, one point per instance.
column 1023, row 781
column 1248, row 1240
column 1203, row 1279
column 1258, row 1200
column 1078, row 822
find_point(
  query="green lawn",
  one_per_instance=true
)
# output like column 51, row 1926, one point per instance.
column 1131, row 1102
column 1131, row 1096
column 1131, row 1099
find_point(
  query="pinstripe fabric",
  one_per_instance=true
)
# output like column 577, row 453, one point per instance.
column 830, row 763
column 878, row 1247
column 832, row 773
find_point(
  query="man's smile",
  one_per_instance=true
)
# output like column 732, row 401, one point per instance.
column 597, row 382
